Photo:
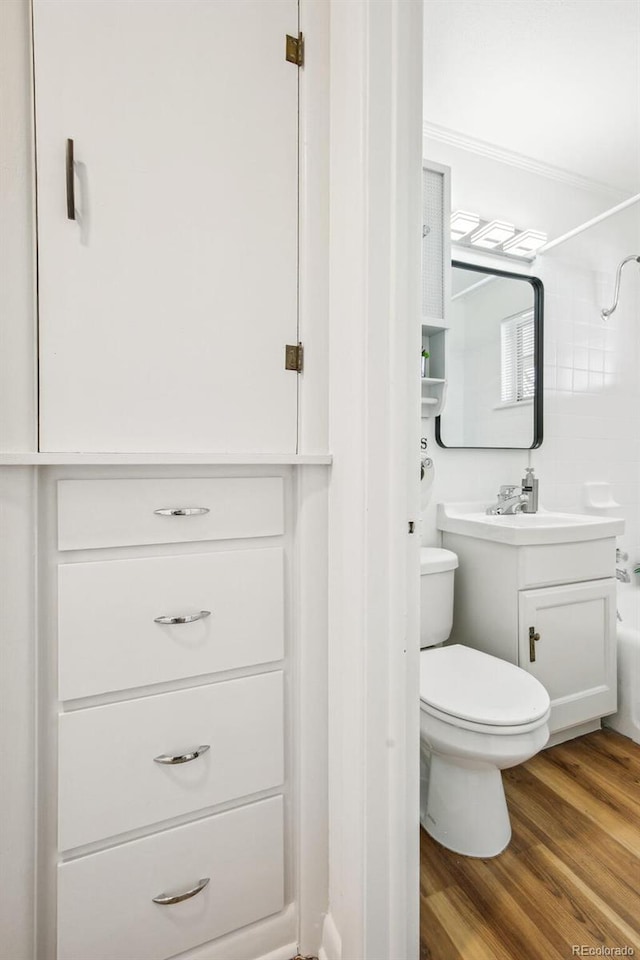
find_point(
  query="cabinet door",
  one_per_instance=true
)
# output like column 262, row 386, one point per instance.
column 575, row 655
column 166, row 305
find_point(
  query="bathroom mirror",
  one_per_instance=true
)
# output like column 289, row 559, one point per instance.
column 493, row 360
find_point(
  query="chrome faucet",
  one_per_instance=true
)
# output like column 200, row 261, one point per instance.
column 517, row 499
column 623, row 575
column 509, row 502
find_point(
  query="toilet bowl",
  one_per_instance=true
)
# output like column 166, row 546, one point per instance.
column 479, row 715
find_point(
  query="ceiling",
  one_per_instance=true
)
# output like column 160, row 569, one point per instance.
column 555, row 80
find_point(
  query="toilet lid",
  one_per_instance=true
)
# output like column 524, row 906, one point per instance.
column 437, row 560
column 465, row 683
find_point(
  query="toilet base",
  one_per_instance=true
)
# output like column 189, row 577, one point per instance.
column 466, row 809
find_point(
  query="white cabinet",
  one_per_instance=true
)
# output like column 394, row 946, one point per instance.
column 551, row 609
column 167, row 601
column 115, row 513
column 106, row 905
column 105, row 645
column 167, row 755
column 567, row 640
column 166, row 305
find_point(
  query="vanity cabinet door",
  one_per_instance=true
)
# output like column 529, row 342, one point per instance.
column 567, row 640
column 166, row 304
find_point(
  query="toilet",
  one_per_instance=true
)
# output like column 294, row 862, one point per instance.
column 478, row 716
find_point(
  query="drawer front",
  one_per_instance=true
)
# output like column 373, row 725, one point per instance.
column 113, row 513
column 105, row 900
column 109, row 781
column 556, row 563
column 109, row 639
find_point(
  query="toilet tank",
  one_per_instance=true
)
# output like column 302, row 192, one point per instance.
column 436, row 595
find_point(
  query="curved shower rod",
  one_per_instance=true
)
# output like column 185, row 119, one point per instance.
column 607, row 313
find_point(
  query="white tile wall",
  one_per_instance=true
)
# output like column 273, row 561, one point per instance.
column 592, row 387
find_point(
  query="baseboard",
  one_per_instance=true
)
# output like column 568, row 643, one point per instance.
column 272, row 939
column 331, row 948
column 572, row 732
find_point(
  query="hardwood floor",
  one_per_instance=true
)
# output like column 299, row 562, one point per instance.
column 571, row 875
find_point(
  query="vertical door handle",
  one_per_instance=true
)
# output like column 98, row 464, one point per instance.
column 71, row 192
column 533, row 639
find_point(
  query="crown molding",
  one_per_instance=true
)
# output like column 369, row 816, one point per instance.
column 433, row 131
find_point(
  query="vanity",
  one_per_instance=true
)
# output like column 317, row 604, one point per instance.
column 539, row 590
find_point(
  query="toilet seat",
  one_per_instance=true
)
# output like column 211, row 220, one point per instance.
column 494, row 729
column 476, row 691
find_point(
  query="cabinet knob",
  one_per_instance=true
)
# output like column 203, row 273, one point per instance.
column 181, row 511
column 182, row 757
column 533, row 639
column 190, row 618
column 165, row 899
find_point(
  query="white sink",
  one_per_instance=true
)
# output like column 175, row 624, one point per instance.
column 471, row 520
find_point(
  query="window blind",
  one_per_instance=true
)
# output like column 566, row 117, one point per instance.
column 518, row 368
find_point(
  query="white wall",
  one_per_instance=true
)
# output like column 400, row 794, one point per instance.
column 580, row 59
column 592, row 391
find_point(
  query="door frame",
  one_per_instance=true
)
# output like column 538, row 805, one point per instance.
column 374, row 415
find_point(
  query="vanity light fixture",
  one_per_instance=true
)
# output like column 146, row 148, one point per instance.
column 492, row 234
column 525, row 244
column 463, row 223
column 496, row 237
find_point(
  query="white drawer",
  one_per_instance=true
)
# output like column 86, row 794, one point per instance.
column 109, row 782
column 112, row 513
column 557, row 563
column 108, row 638
column 105, row 900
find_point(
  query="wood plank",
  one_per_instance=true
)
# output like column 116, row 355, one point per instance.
column 468, row 930
column 436, row 864
column 607, row 809
column 612, row 930
column 571, row 875
column 616, row 771
column 615, row 788
column 598, row 860
column 612, row 747
column 562, row 906
column 435, row 942
column 518, row 921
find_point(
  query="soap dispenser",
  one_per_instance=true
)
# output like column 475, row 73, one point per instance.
column 530, row 487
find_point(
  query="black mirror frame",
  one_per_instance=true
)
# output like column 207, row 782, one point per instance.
column 538, row 319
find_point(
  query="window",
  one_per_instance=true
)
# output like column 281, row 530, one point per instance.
column 518, row 367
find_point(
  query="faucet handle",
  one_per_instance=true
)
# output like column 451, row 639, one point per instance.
column 621, row 555
column 508, row 490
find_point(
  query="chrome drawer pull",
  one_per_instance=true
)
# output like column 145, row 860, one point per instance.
column 182, row 757
column 188, row 619
column 167, row 898
column 182, row 511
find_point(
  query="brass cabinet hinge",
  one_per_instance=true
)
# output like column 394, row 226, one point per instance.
column 294, row 357
column 295, row 50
